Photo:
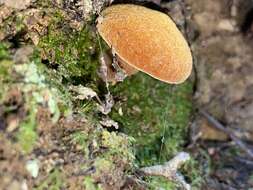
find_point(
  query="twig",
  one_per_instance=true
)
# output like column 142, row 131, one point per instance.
column 227, row 131
column 169, row 169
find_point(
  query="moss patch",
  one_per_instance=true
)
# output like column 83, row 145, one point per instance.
column 90, row 184
column 155, row 114
column 193, row 171
column 54, row 181
column 74, row 53
column 27, row 135
column 155, row 182
column 4, row 54
column 112, row 156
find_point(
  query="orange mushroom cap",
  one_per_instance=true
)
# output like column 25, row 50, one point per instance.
column 147, row 40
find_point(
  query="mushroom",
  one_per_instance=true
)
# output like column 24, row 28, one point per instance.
column 146, row 40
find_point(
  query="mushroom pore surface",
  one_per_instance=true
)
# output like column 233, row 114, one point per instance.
column 147, row 40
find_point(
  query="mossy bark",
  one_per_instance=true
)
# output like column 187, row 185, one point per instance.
column 50, row 139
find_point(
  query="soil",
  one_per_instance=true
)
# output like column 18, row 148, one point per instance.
column 223, row 54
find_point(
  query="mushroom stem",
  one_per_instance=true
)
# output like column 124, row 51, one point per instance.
column 113, row 69
column 106, row 71
column 123, row 65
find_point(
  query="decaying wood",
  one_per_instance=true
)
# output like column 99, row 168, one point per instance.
column 169, row 169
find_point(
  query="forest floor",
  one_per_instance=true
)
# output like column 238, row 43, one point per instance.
column 60, row 127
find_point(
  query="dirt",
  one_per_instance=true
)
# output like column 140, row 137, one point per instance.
column 223, row 56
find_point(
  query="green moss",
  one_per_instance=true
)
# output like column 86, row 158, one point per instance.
column 117, row 144
column 155, row 114
column 13, row 25
column 5, row 62
column 74, row 53
column 4, row 54
column 111, row 154
column 81, row 139
column 89, row 184
column 27, row 135
column 54, row 181
column 44, row 4
column 53, row 81
column 5, row 65
column 193, row 172
column 4, row 71
column 103, row 165
column 155, row 183
column 19, row 23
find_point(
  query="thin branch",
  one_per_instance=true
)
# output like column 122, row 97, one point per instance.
column 227, row 131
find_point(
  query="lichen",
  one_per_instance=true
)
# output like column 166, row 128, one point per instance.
column 35, row 90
